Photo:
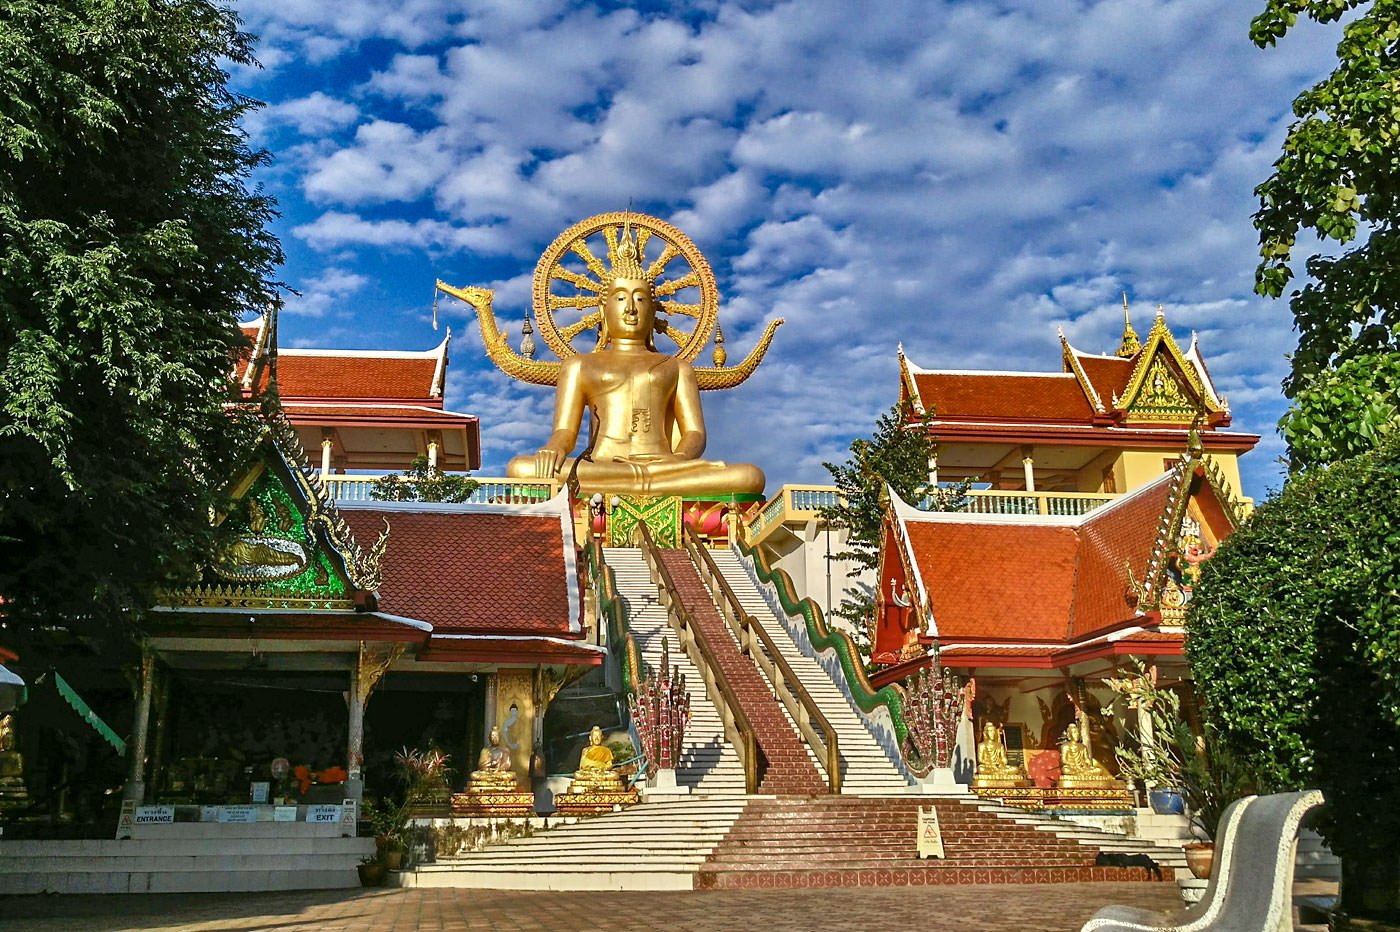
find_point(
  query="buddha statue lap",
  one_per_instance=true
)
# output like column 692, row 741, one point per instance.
column 1077, row 767
column 493, row 773
column 993, row 768
column 648, row 430
column 595, row 772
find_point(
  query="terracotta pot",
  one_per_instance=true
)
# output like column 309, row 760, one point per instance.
column 1200, row 857
column 372, row 875
column 393, row 858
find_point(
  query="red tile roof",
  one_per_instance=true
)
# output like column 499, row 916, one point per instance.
column 305, row 374
column 990, row 579
column 1109, row 376
column 468, row 571
column 996, row 396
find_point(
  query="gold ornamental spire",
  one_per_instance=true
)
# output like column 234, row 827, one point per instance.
column 1130, row 345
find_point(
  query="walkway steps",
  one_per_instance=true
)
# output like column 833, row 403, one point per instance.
column 788, row 766
column 708, row 762
column 866, row 768
column 187, row 858
column 652, row 846
column 870, row 841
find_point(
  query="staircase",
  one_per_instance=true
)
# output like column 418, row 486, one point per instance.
column 844, row 841
column 866, row 768
column 708, row 762
column 188, row 857
column 652, row 846
column 788, row 768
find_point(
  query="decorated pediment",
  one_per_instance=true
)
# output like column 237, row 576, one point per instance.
column 1201, row 512
column 1165, row 385
column 286, row 546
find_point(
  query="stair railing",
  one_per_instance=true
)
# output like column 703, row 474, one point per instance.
column 736, row 723
column 756, row 644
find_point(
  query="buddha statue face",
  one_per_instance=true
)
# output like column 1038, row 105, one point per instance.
column 629, row 309
column 1072, row 733
column 494, row 737
column 595, row 737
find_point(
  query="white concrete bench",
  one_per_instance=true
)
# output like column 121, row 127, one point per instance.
column 1251, row 886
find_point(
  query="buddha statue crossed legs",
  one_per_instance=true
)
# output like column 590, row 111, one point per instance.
column 595, row 767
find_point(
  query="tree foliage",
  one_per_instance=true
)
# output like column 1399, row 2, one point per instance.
column 1338, row 178
column 423, row 483
column 130, row 244
column 898, row 453
column 1295, row 650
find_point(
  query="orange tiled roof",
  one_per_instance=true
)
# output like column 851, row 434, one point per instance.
column 998, row 396
column 1036, row 579
column 306, row 374
column 1109, row 376
column 465, row 570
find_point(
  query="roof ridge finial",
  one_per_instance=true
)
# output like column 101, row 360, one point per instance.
column 1130, row 345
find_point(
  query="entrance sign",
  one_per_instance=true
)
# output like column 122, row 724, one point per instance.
column 930, row 836
column 154, row 815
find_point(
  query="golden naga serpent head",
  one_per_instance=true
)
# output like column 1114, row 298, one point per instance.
column 586, row 259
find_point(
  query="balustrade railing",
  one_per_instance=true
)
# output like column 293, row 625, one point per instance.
column 736, row 724
column 489, row 490
column 756, row 644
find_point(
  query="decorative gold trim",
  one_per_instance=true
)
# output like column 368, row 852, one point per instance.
column 1160, row 339
column 249, row 597
column 711, row 379
column 497, row 347
column 1071, row 357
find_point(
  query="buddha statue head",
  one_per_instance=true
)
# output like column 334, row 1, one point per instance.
column 628, row 302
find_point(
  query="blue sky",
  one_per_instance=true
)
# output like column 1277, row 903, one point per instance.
column 963, row 177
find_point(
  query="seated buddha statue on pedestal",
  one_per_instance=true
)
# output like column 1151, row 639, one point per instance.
column 493, row 773
column 595, row 773
column 1077, row 767
column 993, row 768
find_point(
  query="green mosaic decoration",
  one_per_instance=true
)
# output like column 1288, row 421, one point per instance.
column 661, row 515
column 269, row 511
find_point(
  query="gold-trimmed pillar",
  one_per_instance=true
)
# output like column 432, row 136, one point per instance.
column 1028, row 466
column 327, row 446
column 373, row 662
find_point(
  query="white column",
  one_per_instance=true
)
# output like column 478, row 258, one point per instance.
column 932, row 473
column 355, row 745
column 1028, row 464
column 432, row 454
column 326, row 444
column 136, row 748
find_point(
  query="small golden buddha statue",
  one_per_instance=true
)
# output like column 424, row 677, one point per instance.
column 647, row 426
column 1077, row 767
column 993, row 768
column 493, row 773
column 595, row 773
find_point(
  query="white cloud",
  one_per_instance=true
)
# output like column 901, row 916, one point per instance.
column 961, row 177
column 326, row 293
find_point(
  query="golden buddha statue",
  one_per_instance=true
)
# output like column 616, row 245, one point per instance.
column 993, row 768
column 493, row 773
column 647, row 432
column 1077, row 767
column 595, row 773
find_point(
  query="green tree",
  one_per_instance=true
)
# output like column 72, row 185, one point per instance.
column 423, row 483
column 1295, row 650
column 130, row 244
column 898, row 453
column 1339, row 179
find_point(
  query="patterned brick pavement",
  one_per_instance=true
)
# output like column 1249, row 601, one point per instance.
column 964, row 909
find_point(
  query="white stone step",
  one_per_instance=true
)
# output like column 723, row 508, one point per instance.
column 651, row 846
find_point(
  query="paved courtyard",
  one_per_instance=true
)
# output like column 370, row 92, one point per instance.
column 965, row 909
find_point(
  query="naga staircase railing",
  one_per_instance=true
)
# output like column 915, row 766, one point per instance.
column 756, row 644
column 736, row 724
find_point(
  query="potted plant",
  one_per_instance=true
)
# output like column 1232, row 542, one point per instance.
column 1212, row 778
column 389, row 822
column 372, row 872
column 1152, row 756
column 425, row 778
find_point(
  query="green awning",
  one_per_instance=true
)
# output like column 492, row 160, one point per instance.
column 85, row 712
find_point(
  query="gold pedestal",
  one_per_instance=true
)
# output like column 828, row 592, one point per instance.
column 1087, row 782
column 593, row 802
column 999, row 781
column 511, row 803
column 1075, row 793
